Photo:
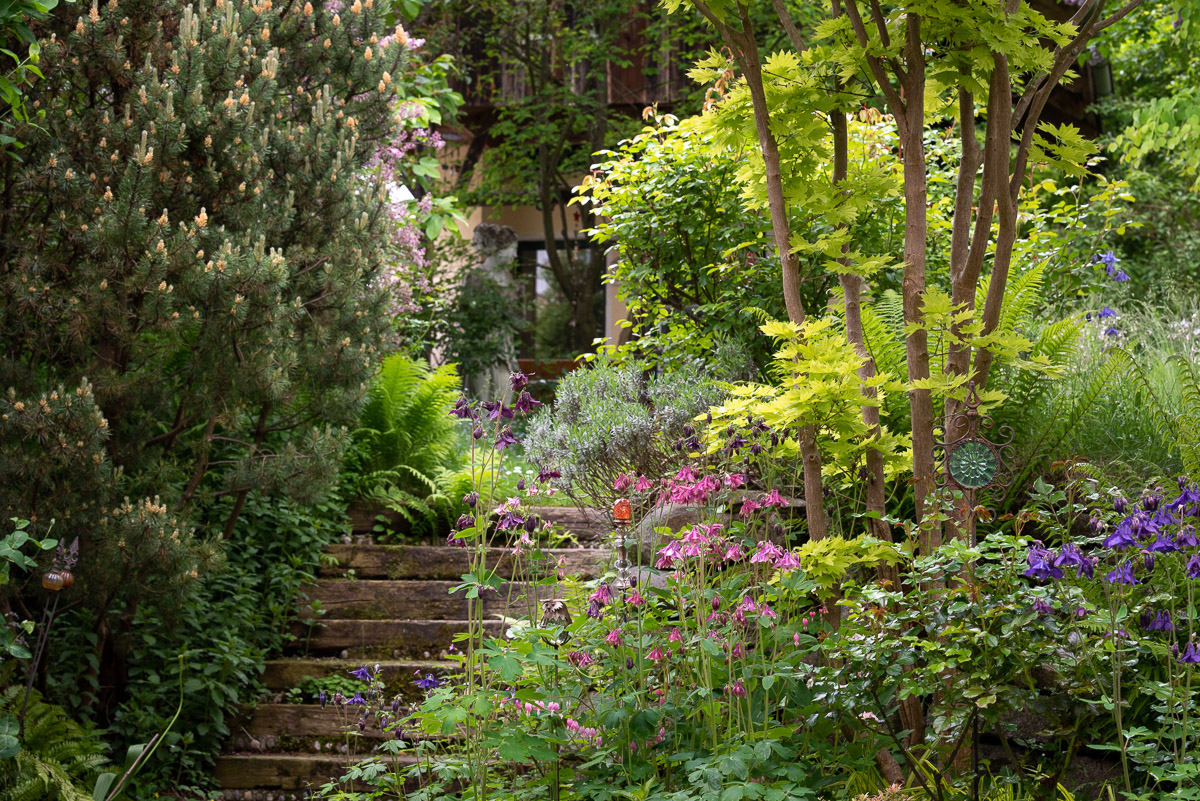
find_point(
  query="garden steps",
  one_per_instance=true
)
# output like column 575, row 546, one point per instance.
column 427, row 600
column 385, row 605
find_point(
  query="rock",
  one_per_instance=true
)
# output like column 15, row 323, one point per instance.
column 672, row 515
column 345, row 654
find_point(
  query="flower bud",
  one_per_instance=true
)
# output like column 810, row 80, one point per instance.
column 478, row 432
column 470, row 499
column 1119, row 505
column 521, row 485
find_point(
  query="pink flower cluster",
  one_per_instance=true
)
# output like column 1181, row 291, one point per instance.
column 585, row 733
column 626, row 482
column 769, row 553
column 701, row 540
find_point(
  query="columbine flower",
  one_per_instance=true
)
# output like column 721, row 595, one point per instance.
column 614, row 638
column 357, row 700
column 497, row 410
column 686, row 474
column 1190, row 655
column 1164, row 544
column 1041, row 564
column 1186, row 538
column 675, row 635
column 1122, row 575
column 643, row 484
column 580, row 659
column 1157, row 622
column 430, row 682
column 470, row 499
column 525, row 403
column 733, row 552
column 519, row 380
column 1193, row 566
column 1119, row 276
column 1112, row 331
column 362, row 674
column 734, row 480
column 635, row 598
column 749, row 507
column 1107, row 312
column 1122, row 536
column 505, row 439
column 462, row 409
column 1119, row 505
column 545, row 474
column 787, row 561
column 766, row 552
column 1041, row 607
column 773, row 498
column 737, row 689
column 622, row 483
column 655, row 654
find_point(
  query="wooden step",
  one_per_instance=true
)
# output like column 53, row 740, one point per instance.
column 291, row 772
column 386, row 599
column 586, row 525
column 441, row 562
column 384, row 639
column 284, row 674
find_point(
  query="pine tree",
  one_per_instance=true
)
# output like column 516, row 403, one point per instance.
column 194, row 266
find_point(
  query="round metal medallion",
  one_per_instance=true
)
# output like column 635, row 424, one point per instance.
column 972, row 465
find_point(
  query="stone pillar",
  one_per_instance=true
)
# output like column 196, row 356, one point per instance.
column 496, row 246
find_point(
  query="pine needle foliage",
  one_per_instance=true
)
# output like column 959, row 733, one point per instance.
column 58, row 760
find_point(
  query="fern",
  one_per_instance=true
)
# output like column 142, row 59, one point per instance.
column 58, row 760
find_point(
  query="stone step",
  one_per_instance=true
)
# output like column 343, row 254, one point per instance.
column 441, row 562
column 288, row 772
column 387, row 599
column 284, row 674
column 384, row 639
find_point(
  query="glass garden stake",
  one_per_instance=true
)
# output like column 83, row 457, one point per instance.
column 622, row 519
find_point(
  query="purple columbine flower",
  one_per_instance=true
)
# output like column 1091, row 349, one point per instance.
column 1042, row 608
column 470, row 499
column 1107, row 312
column 323, row 698
column 505, row 439
column 362, row 674
column 1190, row 655
column 1112, row 331
column 1187, row 496
column 1095, row 525
column 510, row 520
column 462, row 409
column 455, row 541
column 1164, row 544
column 519, row 380
column 477, row 433
column 1193, row 566
column 497, row 410
column 357, row 700
column 1151, row 502
column 430, row 682
column 1148, row 561
column 1122, row 536
column 526, row 403
column 1041, row 564
column 1122, row 575
column 1119, row 275
column 545, row 474
column 1186, row 538
column 1119, row 505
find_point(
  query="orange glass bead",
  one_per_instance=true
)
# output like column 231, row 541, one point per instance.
column 67, row 579
column 53, row 581
column 622, row 510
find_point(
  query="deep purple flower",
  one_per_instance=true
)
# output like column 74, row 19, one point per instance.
column 1041, row 564
column 1042, row 608
column 455, row 541
column 470, row 499
column 1188, row 495
column 1122, row 575
column 519, row 380
column 357, row 700
column 1119, row 505
column 545, row 474
column 1148, row 561
column 1081, row 611
column 323, row 698
column 1107, row 312
column 1150, row 502
column 496, row 410
column 464, row 521
column 363, row 673
column 1186, row 538
column 1108, row 259
column 526, row 403
column 462, row 409
column 509, row 519
column 1120, row 275
column 477, row 433
column 1122, row 536
column 1190, row 655
column 505, row 439
column 1193, row 566
column 1112, row 331
column 430, row 682
column 1164, row 544
column 1095, row 525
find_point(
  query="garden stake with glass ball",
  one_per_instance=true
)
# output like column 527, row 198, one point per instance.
column 556, row 613
column 56, row 579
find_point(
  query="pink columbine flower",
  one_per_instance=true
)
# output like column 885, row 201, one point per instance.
column 643, row 484
column 735, row 480
column 675, row 635
column 733, row 552
column 738, row 690
column 766, row 552
column 614, row 638
column 787, row 561
column 622, row 483
column 748, row 604
column 749, row 507
column 686, row 474
column 655, row 654
column 774, row 499
column 636, row 599
column 765, row 610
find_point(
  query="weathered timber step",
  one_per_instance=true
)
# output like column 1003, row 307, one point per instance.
column 285, row 771
column 586, row 525
column 422, row 600
column 284, row 674
column 443, row 563
column 293, row 727
column 381, row 639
